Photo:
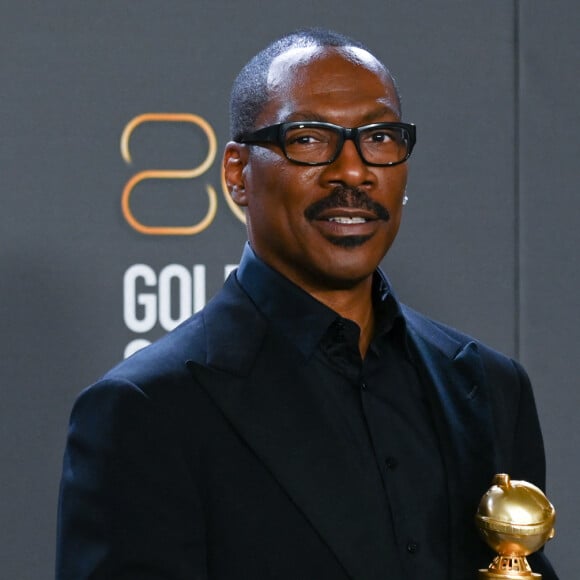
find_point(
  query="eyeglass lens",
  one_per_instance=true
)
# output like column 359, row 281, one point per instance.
column 380, row 145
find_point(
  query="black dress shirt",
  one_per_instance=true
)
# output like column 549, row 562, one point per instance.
column 380, row 404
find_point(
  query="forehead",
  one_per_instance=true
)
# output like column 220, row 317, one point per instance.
column 327, row 80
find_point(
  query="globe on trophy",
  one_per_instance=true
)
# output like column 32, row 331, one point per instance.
column 515, row 519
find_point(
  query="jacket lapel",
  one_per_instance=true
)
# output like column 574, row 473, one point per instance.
column 463, row 418
column 261, row 388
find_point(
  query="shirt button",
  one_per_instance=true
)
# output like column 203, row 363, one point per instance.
column 391, row 463
column 412, row 547
column 363, row 386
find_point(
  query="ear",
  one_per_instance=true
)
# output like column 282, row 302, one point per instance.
column 235, row 159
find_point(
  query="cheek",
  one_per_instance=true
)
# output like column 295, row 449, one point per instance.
column 399, row 178
column 394, row 186
column 286, row 191
column 273, row 200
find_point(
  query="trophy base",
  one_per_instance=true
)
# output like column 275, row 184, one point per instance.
column 492, row 575
column 509, row 568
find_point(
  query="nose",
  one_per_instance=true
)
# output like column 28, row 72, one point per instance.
column 349, row 168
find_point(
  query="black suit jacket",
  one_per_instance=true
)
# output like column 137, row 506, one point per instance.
column 208, row 456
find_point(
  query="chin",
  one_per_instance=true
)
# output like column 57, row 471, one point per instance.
column 349, row 241
column 356, row 256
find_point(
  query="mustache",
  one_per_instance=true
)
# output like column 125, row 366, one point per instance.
column 346, row 197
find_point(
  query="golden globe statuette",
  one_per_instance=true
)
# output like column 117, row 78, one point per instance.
column 515, row 519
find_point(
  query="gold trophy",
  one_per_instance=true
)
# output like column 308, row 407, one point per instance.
column 515, row 519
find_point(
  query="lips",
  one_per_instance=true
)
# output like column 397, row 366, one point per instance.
column 347, row 215
column 346, row 227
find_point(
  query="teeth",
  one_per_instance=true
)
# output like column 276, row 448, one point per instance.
column 348, row 220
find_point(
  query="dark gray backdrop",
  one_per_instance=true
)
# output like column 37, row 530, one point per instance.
column 488, row 242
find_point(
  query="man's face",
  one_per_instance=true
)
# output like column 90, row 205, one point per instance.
column 324, row 227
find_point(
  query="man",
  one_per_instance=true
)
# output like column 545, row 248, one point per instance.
column 305, row 424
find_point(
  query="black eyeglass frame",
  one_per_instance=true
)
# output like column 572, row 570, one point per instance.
column 274, row 134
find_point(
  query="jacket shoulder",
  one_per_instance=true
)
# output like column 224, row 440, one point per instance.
column 224, row 335
column 165, row 359
column 448, row 338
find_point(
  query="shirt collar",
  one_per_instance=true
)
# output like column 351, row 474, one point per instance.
column 300, row 317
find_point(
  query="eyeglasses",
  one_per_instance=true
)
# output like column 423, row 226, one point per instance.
column 314, row 143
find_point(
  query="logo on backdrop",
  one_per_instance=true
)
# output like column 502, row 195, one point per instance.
column 171, row 295
column 164, row 174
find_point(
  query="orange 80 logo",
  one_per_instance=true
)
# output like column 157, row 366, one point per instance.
column 193, row 173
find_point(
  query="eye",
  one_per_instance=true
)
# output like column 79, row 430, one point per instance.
column 381, row 136
column 304, row 139
column 306, row 136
